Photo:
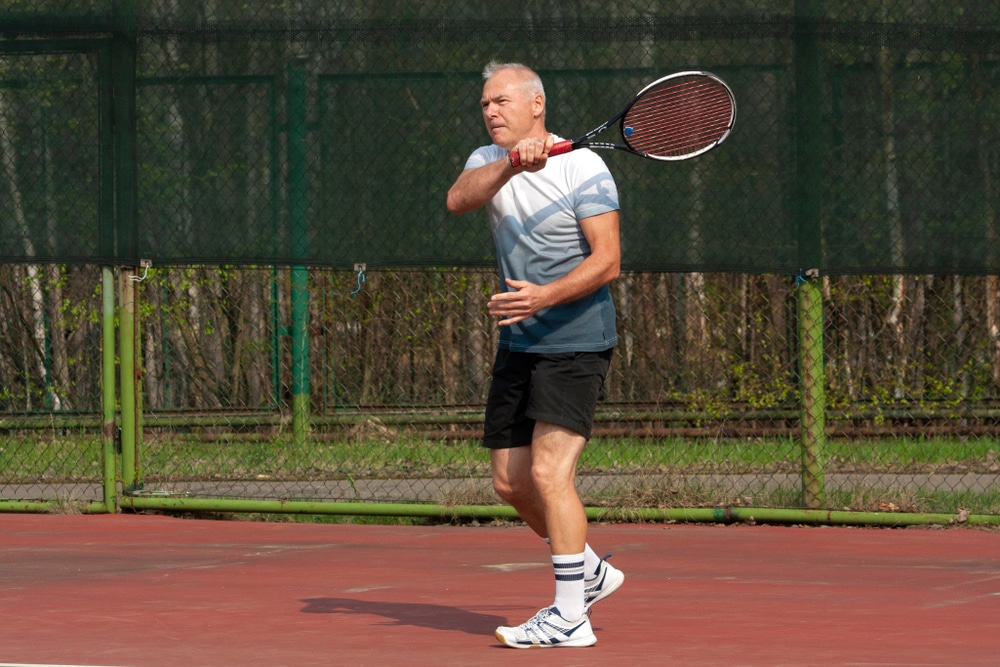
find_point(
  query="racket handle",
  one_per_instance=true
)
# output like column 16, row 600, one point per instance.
column 558, row 148
column 561, row 147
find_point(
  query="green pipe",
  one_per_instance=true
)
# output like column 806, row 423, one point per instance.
column 727, row 515
column 124, row 56
column 300, row 354
column 812, row 422
column 107, row 157
column 126, row 371
column 168, row 503
column 796, row 516
column 809, row 234
column 298, row 204
column 108, row 385
column 431, row 511
column 48, row 507
column 180, row 418
column 274, row 211
column 165, row 349
column 276, row 335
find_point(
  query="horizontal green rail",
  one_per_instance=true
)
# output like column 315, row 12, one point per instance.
column 726, row 515
column 433, row 511
column 50, row 507
column 16, row 421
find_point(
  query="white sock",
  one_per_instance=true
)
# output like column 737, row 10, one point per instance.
column 591, row 561
column 569, row 585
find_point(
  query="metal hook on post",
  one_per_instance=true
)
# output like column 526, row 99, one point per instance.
column 360, row 268
column 144, row 264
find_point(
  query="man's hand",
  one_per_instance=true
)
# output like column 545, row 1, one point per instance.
column 474, row 187
column 525, row 300
column 532, row 153
column 599, row 268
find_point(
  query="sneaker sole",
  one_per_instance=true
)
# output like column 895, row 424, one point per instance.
column 579, row 642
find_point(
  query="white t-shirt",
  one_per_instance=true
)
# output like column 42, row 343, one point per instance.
column 534, row 220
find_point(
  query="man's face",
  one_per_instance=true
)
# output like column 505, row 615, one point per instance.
column 510, row 115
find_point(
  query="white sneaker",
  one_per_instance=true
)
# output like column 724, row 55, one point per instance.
column 607, row 580
column 547, row 629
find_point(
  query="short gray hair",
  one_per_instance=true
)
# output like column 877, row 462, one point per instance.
column 531, row 82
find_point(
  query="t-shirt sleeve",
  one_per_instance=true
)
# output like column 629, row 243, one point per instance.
column 484, row 155
column 595, row 191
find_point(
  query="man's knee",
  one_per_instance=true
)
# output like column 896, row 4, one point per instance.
column 551, row 480
column 553, row 469
column 507, row 490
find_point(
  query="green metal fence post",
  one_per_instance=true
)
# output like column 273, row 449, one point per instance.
column 109, row 395
column 808, row 201
column 813, row 393
column 298, row 207
column 278, row 331
column 126, row 374
column 108, row 430
column 124, row 58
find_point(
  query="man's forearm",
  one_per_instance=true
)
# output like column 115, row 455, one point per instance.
column 589, row 276
column 474, row 187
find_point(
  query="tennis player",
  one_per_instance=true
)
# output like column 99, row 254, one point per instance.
column 555, row 226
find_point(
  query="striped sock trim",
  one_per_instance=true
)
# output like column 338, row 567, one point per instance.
column 569, row 572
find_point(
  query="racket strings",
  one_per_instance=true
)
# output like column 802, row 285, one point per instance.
column 679, row 118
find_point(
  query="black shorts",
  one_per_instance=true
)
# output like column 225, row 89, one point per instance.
column 559, row 389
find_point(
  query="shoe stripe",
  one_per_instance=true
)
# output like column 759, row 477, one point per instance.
column 539, row 631
column 600, row 586
column 542, row 634
column 570, row 631
column 594, row 589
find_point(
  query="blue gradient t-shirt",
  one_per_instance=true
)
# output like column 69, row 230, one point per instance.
column 534, row 222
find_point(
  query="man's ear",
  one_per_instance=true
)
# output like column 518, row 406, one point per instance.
column 538, row 105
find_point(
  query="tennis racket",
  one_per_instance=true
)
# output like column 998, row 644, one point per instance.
column 674, row 118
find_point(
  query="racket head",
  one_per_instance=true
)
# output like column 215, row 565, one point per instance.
column 679, row 116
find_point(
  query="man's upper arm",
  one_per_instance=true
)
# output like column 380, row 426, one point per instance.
column 602, row 234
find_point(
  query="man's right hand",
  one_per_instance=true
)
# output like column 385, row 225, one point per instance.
column 531, row 154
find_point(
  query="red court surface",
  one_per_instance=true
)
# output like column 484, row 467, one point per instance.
column 152, row 590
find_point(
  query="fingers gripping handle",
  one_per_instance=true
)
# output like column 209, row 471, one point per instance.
column 558, row 148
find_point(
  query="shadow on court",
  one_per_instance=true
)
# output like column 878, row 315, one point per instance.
column 151, row 591
column 433, row 616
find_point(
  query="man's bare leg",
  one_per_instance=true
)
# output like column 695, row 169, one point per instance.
column 540, row 483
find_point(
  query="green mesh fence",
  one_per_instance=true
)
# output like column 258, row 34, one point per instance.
column 312, row 325
column 327, row 134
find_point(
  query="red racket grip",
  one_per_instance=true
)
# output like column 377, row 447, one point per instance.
column 558, row 148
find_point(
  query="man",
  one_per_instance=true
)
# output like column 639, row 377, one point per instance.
column 555, row 225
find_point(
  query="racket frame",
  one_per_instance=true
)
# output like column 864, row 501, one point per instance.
column 584, row 141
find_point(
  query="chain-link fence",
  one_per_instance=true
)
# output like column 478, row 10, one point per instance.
column 702, row 407
column 808, row 316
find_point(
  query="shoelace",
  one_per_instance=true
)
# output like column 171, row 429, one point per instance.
column 536, row 620
column 535, row 623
